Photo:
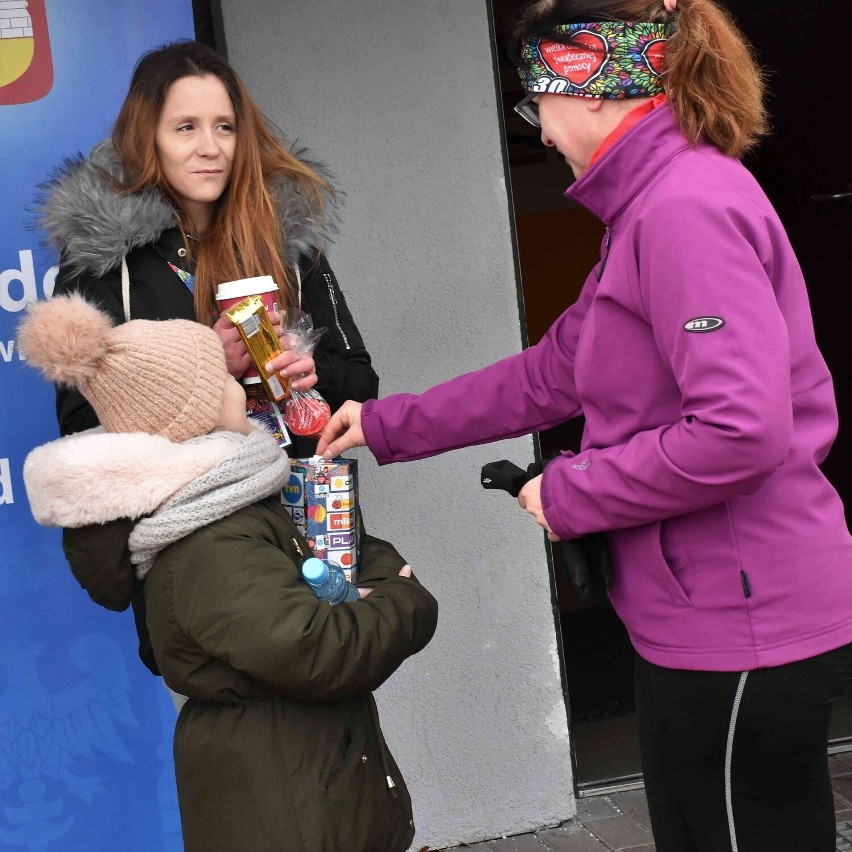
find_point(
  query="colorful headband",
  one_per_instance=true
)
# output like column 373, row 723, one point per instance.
column 606, row 59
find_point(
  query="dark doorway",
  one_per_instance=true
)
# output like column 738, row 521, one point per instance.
column 805, row 169
column 806, row 172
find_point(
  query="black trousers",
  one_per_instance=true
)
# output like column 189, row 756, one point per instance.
column 737, row 762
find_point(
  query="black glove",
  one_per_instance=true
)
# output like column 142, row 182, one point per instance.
column 586, row 558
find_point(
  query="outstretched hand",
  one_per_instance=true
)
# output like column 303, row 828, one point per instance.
column 342, row 432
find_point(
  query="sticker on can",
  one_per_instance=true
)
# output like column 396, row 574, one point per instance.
column 293, row 490
column 340, row 521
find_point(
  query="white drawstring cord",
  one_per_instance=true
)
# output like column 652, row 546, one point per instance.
column 125, row 289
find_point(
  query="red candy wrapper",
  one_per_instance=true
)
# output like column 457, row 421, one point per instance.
column 305, row 412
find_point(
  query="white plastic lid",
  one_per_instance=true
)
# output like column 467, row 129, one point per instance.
column 245, row 287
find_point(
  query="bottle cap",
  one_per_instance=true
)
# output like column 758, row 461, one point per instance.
column 315, row 571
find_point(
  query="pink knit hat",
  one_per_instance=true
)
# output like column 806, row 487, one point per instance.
column 164, row 378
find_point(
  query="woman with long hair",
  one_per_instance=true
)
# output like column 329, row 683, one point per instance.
column 196, row 187
column 708, row 409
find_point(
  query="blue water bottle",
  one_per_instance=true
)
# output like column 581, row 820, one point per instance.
column 328, row 582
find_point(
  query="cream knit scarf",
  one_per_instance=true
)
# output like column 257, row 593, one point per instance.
column 256, row 469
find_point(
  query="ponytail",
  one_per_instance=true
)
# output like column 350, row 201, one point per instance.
column 712, row 79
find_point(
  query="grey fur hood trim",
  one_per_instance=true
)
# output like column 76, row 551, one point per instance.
column 93, row 226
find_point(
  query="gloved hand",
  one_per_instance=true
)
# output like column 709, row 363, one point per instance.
column 586, row 558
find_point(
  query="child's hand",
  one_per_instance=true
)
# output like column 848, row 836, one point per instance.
column 405, row 571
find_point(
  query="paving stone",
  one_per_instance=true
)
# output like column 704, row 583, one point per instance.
column 838, row 766
column 634, row 805
column 844, row 837
column 843, row 787
column 572, row 826
column 620, row 833
column 595, row 808
column 521, row 843
column 570, row 838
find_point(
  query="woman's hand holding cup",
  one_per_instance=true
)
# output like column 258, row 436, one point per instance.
column 237, row 358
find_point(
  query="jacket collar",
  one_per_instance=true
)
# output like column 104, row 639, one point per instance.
column 93, row 226
column 624, row 170
column 95, row 476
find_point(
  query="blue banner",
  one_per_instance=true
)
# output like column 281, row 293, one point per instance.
column 85, row 730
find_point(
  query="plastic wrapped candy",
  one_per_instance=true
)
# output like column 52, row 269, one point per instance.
column 305, row 412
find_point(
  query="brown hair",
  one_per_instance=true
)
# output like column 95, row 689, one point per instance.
column 711, row 76
column 244, row 236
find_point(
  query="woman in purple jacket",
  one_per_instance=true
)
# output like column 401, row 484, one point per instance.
column 708, row 409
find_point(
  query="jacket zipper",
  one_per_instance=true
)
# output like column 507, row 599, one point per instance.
column 606, row 253
column 333, row 298
column 374, row 712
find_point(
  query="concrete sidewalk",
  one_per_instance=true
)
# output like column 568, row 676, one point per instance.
column 619, row 823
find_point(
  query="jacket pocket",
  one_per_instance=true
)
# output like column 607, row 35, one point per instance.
column 650, row 547
column 343, row 753
column 643, row 579
column 669, row 570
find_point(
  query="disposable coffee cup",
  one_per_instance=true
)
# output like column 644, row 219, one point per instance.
column 229, row 293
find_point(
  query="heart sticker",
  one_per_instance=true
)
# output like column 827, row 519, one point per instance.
column 654, row 54
column 579, row 62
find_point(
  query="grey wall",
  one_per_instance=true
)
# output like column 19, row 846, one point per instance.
column 399, row 99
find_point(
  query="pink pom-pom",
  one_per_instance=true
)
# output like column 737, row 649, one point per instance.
column 65, row 337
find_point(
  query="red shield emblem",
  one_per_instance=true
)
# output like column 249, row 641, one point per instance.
column 26, row 68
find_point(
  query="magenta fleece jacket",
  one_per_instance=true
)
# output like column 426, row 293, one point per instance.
column 708, row 409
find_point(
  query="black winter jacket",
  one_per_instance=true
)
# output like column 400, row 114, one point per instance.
column 93, row 227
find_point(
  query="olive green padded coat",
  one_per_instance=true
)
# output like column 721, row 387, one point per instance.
column 279, row 747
